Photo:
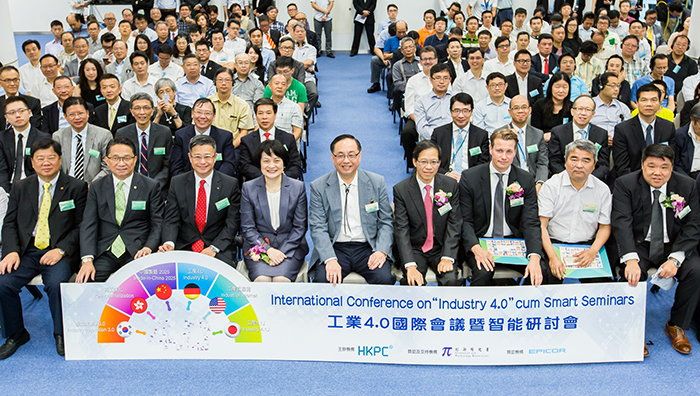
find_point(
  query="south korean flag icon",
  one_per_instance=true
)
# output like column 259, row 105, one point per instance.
column 125, row 329
column 233, row 329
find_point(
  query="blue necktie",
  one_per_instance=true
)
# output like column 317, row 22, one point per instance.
column 650, row 135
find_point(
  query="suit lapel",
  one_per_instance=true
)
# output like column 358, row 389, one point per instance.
column 333, row 194
column 134, row 195
column 214, row 197
column 8, row 138
column 486, row 196
column 34, row 196
column 512, row 177
column 190, row 194
column 109, row 181
column 59, row 191
column 285, row 197
column 364, row 196
column 416, row 197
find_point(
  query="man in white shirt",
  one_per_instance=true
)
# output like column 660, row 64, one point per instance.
column 417, row 86
column 142, row 81
column 30, row 72
column 141, row 23
column 306, row 54
column 110, row 21
column 502, row 62
column 233, row 42
column 54, row 46
column 221, row 54
column 193, row 85
column 492, row 112
column 43, row 90
column 473, row 81
column 323, row 23
column 164, row 67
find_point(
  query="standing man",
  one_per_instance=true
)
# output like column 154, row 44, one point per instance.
column 364, row 19
column 43, row 90
column 141, row 81
column 52, row 116
column 323, row 23
column 427, row 221
column 114, row 113
column 30, row 72
column 40, row 235
column 123, row 216
column 350, row 220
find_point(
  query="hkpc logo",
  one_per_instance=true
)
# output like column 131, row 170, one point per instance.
column 374, row 350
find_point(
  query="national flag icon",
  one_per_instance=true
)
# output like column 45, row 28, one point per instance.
column 139, row 305
column 124, row 329
column 192, row 291
column 163, row 291
column 217, row 305
column 233, row 330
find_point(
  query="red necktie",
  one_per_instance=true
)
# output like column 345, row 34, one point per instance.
column 200, row 216
column 545, row 68
column 267, row 135
column 428, row 205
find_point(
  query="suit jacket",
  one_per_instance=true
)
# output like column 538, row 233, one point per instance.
column 64, row 218
column 410, row 227
column 160, row 145
column 126, row 73
column 361, row 5
column 51, row 113
column 685, row 150
column 631, row 211
column 325, row 212
column 139, row 228
column 537, row 160
column 628, row 143
column 537, row 63
column 95, row 140
column 564, row 134
column 453, row 72
column 475, row 204
column 71, row 69
column 476, row 138
column 248, row 169
column 557, row 5
column 211, row 69
column 179, row 163
column 7, row 155
column 534, row 87
column 223, row 220
column 290, row 236
column 34, row 106
column 123, row 118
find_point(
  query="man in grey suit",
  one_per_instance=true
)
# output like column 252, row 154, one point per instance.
column 350, row 220
column 123, row 216
column 153, row 142
column 532, row 154
column 84, row 145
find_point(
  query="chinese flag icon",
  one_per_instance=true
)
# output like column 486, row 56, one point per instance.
column 163, row 291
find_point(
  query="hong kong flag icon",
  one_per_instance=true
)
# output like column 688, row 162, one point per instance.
column 139, row 305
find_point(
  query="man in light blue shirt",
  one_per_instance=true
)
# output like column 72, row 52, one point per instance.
column 192, row 85
column 658, row 65
column 433, row 109
column 492, row 112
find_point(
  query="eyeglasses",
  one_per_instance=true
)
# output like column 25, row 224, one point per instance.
column 10, row 80
column 518, row 108
column 523, row 61
column 614, row 86
column 583, row 109
column 497, row 85
column 426, row 162
column 49, row 66
column 13, row 113
column 461, row 111
column 427, row 59
column 503, row 46
column 74, row 115
column 203, row 157
column 286, row 47
column 50, row 158
column 441, row 78
column 124, row 159
column 139, row 109
column 203, row 113
column 343, row 156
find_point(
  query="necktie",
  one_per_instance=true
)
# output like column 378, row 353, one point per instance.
column 656, row 237
column 267, row 135
column 346, row 222
column 428, row 205
column 498, row 208
column 457, row 152
column 649, row 140
column 204, row 70
column 79, row 170
column 545, row 67
column 270, row 41
column 43, row 235
column 19, row 158
column 118, row 248
column 581, row 134
column 200, row 215
column 112, row 116
column 143, row 157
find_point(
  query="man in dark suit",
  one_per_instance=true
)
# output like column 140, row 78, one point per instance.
column 524, row 81
column 544, row 61
column 363, row 9
column 16, row 143
column 684, row 145
column 10, row 82
column 202, row 117
column 40, row 235
column 52, row 117
column 633, row 135
column 653, row 232
column 512, row 214
column 123, row 216
column 269, row 34
column 531, row 150
column 207, row 68
column 202, row 207
column 114, row 114
column 582, row 111
column 154, row 142
column 471, row 143
column 249, row 165
column 427, row 221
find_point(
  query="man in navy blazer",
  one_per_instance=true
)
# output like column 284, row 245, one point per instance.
column 350, row 220
column 684, row 145
column 203, row 112
column 544, row 51
column 52, row 117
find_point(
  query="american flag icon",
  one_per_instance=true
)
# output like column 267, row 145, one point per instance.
column 217, row 305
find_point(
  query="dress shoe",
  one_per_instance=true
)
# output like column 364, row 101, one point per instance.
column 679, row 341
column 374, row 88
column 353, row 54
column 330, row 55
column 60, row 348
column 12, row 344
column 322, row 53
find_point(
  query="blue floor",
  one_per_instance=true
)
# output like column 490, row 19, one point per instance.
column 346, row 108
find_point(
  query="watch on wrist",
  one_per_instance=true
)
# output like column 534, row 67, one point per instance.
column 214, row 249
column 675, row 262
column 63, row 252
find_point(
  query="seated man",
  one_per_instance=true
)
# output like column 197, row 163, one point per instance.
column 650, row 236
column 52, row 117
column 114, row 113
column 350, row 220
column 384, row 51
column 575, row 208
column 123, row 216
column 427, row 238
column 492, row 112
column 248, row 166
column 37, row 240
column 433, row 109
column 531, row 153
column 484, row 195
column 214, row 200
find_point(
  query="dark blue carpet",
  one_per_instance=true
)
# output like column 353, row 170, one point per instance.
column 346, row 108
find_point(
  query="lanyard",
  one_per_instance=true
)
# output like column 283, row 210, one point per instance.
column 459, row 148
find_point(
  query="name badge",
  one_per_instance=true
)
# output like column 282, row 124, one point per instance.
column 532, row 148
column 517, row 202
column 556, row 69
column 590, row 208
column 66, row 205
column 677, row 69
column 138, row 205
column 534, row 93
column 684, row 212
column 94, row 153
column 222, row 204
column 219, row 157
column 27, row 151
column 474, row 151
column 159, row 150
column 566, row 120
column 444, row 209
column 121, row 118
column 597, row 148
column 372, row 207
column 99, row 98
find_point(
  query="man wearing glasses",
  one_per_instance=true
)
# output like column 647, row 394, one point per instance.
column 433, row 109
column 523, row 81
column 123, row 216
column 350, row 220
column 609, row 111
column 10, row 83
column 492, row 111
column 502, row 62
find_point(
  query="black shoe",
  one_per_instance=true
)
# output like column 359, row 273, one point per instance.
column 374, row 88
column 318, row 105
column 60, row 348
column 353, row 54
column 322, row 53
column 330, row 55
column 12, row 344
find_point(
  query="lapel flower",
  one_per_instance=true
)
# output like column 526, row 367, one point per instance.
column 675, row 202
column 515, row 191
column 442, row 198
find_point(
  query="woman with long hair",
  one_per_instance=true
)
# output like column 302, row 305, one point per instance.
column 89, row 76
column 257, row 62
column 572, row 42
column 182, row 48
column 555, row 108
column 143, row 44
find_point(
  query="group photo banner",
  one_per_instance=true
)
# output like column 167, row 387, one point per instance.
column 184, row 305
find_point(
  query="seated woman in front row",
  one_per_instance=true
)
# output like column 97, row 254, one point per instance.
column 273, row 219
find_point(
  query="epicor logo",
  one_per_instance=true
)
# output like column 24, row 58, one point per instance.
column 546, row 351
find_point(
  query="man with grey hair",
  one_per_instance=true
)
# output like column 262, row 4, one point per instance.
column 244, row 86
column 406, row 67
column 575, row 208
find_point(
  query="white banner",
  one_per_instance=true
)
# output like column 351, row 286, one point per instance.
column 184, row 305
